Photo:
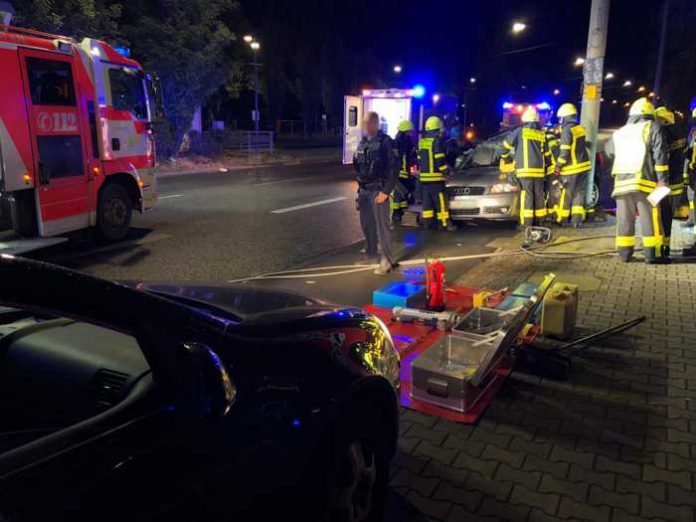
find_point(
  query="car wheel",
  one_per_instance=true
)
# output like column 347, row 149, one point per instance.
column 114, row 212
column 595, row 196
column 358, row 478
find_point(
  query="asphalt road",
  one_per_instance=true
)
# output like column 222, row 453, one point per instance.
column 220, row 227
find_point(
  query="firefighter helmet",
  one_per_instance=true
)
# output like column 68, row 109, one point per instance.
column 642, row 107
column 433, row 124
column 405, row 126
column 530, row 115
column 566, row 110
column 665, row 116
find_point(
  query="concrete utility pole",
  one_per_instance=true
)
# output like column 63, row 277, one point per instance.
column 593, row 76
column 661, row 52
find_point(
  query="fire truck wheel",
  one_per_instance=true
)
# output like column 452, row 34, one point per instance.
column 114, row 212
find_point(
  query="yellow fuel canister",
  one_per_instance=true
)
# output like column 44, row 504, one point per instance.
column 560, row 311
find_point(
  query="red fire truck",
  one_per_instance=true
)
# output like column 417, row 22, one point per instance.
column 76, row 144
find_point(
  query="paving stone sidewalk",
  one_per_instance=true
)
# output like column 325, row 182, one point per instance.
column 616, row 440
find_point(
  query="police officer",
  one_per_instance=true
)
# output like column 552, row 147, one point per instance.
column 573, row 167
column 675, row 146
column 376, row 165
column 433, row 174
column 408, row 157
column 526, row 146
column 640, row 166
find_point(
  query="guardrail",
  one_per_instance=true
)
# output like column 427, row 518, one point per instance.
column 251, row 141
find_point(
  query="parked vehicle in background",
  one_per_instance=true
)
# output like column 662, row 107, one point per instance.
column 76, row 144
column 183, row 402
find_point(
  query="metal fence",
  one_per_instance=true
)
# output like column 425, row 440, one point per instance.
column 250, row 141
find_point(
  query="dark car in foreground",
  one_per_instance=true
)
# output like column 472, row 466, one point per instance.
column 184, row 402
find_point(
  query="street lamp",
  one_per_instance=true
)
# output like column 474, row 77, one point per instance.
column 398, row 69
column 436, row 98
column 518, row 27
column 255, row 46
column 609, row 76
column 614, row 102
column 579, row 61
column 628, row 83
column 641, row 88
column 472, row 80
column 556, row 92
column 248, row 38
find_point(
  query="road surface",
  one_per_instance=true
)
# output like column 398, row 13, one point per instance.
column 220, row 227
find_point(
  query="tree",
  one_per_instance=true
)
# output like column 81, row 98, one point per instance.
column 77, row 18
column 189, row 46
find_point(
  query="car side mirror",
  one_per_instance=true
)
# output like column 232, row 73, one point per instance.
column 212, row 392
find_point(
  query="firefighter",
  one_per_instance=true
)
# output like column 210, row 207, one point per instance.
column 675, row 146
column 408, row 157
column 640, row 166
column 377, row 167
column 690, row 161
column 433, row 174
column 526, row 146
column 572, row 167
column 553, row 187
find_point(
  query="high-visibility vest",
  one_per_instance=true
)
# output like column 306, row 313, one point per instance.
column 632, row 169
column 573, row 157
column 431, row 159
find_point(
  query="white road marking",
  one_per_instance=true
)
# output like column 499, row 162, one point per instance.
column 308, row 205
column 275, row 182
column 170, row 196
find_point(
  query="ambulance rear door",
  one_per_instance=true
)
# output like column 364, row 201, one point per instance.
column 353, row 114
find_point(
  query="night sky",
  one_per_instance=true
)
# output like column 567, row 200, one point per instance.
column 442, row 44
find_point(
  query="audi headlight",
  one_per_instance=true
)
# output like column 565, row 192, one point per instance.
column 504, row 188
column 377, row 354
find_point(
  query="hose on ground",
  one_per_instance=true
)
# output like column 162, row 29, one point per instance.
column 337, row 270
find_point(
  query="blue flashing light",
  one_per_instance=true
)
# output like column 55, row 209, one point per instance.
column 507, row 105
column 418, row 91
column 296, row 423
column 123, row 51
column 543, row 106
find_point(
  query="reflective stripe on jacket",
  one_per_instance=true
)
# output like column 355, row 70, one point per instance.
column 431, row 159
column 531, row 152
column 640, row 158
column 676, row 147
column 573, row 157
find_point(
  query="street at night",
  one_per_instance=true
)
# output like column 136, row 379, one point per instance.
column 367, row 261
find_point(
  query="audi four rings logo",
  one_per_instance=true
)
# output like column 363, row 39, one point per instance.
column 57, row 122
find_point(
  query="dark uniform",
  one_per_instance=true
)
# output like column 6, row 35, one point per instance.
column 640, row 163
column 531, row 158
column 405, row 186
column 675, row 147
column 433, row 174
column 376, row 166
column 553, row 188
column 574, row 164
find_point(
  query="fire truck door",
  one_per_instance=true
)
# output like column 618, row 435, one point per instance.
column 59, row 142
column 352, row 127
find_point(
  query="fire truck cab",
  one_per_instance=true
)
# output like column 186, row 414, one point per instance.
column 76, row 144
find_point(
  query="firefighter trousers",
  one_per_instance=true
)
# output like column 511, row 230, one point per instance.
column 571, row 207
column 435, row 204
column 532, row 204
column 401, row 197
column 668, row 207
column 627, row 206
